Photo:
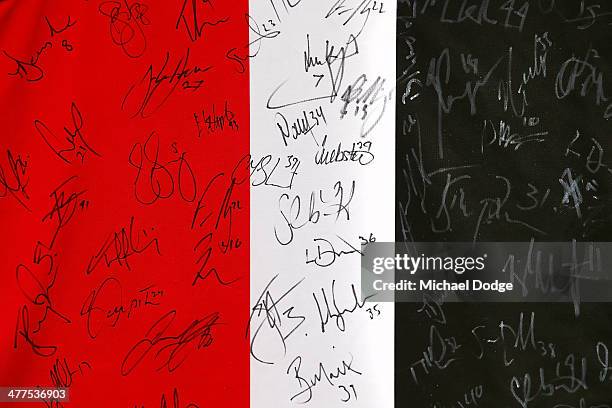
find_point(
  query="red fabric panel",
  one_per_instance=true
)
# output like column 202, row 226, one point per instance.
column 124, row 201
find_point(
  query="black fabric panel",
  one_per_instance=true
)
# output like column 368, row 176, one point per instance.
column 514, row 97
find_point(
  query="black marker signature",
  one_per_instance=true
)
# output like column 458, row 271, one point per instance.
column 36, row 289
column 76, row 146
column 23, row 329
column 334, row 62
column 192, row 24
column 38, row 293
column 64, row 206
column 120, row 246
column 327, row 254
column 260, row 34
column 221, row 216
column 319, row 205
column 62, row 375
column 154, row 180
column 333, row 311
column 126, row 25
column 105, row 305
column 15, row 182
column 173, row 350
column 307, row 384
column 148, row 94
column 274, row 319
column 263, row 171
column 175, row 402
column 213, row 121
column 54, row 31
column 29, row 69
column 366, row 7
column 240, row 59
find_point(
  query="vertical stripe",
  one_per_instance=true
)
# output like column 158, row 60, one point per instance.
column 322, row 145
column 124, row 247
